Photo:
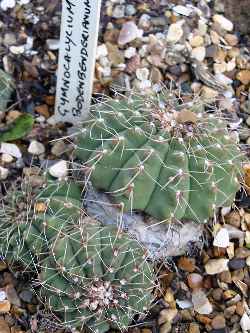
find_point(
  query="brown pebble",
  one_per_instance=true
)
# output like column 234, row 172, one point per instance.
column 242, row 252
column 50, row 100
column 194, row 328
column 43, row 110
column 4, row 327
column 244, row 76
column 240, row 309
column 5, row 306
column 218, row 322
column 225, row 277
column 229, row 311
column 217, row 294
column 203, row 319
column 233, row 218
column 186, row 264
column 231, row 39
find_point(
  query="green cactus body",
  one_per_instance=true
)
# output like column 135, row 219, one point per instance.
column 24, row 232
column 96, row 277
column 154, row 155
column 6, row 89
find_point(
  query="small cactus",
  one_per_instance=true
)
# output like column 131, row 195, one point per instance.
column 159, row 155
column 96, row 277
column 29, row 220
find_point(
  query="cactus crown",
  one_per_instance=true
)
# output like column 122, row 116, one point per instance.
column 160, row 155
column 96, row 277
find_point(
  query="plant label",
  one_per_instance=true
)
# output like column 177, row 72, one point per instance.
column 78, row 42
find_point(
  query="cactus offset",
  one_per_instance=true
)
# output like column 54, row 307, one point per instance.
column 96, row 277
column 160, row 156
column 29, row 220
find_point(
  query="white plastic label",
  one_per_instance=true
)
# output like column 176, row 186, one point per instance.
column 78, row 42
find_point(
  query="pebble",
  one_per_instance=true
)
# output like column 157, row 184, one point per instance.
column 3, row 173
column 242, row 252
column 118, row 11
column 53, row 44
column 128, row 33
column 244, row 76
column 5, row 306
column 175, row 33
column 36, row 148
column 216, row 266
column 12, row 295
column 130, row 10
column 201, row 302
column 102, row 51
column 142, row 74
column 59, row 169
column 223, row 22
column 245, row 322
column 186, row 264
column 182, row 10
column 167, row 315
column 233, row 218
column 222, row 238
column 26, row 295
column 194, row 280
column 199, row 53
column 7, row 4
column 4, row 327
column 130, row 52
column 58, row 148
column 218, row 322
column 236, row 263
column 196, row 41
column 194, row 328
column 10, row 149
column 17, row 49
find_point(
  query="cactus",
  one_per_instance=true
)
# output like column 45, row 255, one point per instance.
column 158, row 155
column 96, row 277
column 6, row 89
column 29, row 220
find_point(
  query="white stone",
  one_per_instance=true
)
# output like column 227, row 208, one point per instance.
column 6, row 158
column 175, row 32
column 130, row 52
column 53, row 44
column 59, row 169
column 3, row 173
column 216, row 266
column 182, row 10
column 10, row 149
column 129, row 32
column 245, row 322
column 3, row 295
column 101, row 51
column 142, row 74
column 222, row 238
column 119, row 11
column 223, row 22
column 199, row 53
column 201, row 302
column 144, row 21
column 6, row 4
column 223, row 79
column 36, row 148
column 23, row 2
column 17, row 49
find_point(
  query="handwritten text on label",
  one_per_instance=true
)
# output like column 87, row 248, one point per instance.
column 79, row 33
